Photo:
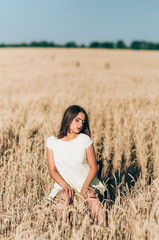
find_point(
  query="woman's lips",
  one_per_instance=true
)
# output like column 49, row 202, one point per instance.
column 79, row 128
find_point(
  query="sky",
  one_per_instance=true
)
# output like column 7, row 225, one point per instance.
column 82, row 21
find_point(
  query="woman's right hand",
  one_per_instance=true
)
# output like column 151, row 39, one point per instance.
column 68, row 190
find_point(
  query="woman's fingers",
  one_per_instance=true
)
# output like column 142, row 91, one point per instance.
column 72, row 192
column 69, row 191
column 65, row 190
column 85, row 191
column 89, row 193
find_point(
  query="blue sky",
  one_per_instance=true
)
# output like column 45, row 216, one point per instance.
column 81, row 21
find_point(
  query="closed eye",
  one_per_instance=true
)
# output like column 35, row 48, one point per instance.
column 78, row 121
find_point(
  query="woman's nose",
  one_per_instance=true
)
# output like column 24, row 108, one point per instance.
column 81, row 124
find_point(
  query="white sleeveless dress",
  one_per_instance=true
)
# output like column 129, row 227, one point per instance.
column 71, row 163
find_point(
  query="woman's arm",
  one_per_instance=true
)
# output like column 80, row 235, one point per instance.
column 54, row 173
column 90, row 154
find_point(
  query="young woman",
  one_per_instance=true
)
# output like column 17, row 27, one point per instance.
column 72, row 163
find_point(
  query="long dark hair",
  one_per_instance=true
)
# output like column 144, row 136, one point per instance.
column 70, row 113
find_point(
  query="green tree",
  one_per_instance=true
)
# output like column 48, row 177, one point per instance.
column 120, row 44
column 94, row 45
column 70, row 45
column 33, row 44
column 2, row 45
column 107, row 45
column 82, row 46
column 138, row 45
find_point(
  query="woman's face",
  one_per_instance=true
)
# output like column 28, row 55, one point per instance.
column 77, row 123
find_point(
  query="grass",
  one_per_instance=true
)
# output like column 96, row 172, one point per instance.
column 122, row 105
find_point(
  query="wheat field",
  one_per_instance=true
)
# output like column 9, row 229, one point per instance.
column 119, row 91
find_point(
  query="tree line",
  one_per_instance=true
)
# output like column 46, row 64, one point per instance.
column 136, row 45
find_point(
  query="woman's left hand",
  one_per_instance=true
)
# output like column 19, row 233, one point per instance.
column 84, row 191
column 88, row 192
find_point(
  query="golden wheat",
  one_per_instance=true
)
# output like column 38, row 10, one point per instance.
column 119, row 90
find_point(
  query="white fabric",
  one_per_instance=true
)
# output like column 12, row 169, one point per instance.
column 71, row 163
